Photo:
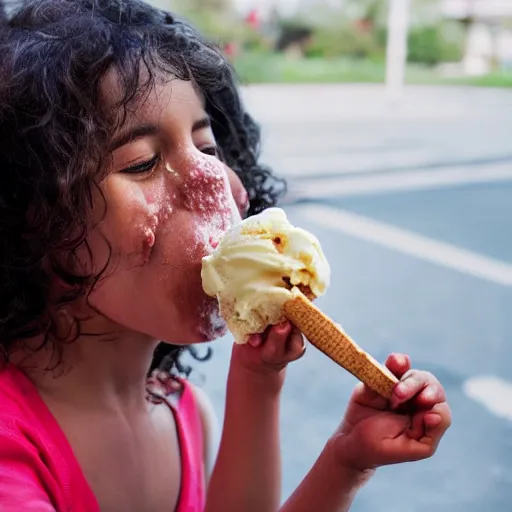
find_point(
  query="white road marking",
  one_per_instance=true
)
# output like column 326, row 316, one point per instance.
column 338, row 164
column 409, row 243
column 491, row 392
column 402, row 181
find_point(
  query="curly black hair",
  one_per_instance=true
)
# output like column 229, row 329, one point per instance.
column 54, row 135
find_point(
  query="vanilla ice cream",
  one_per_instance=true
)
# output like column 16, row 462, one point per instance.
column 255, row 267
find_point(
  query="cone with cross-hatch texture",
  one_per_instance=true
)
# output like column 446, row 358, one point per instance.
column 330, row 339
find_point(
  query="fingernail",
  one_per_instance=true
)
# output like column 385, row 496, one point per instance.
column 254, row 340
column 282, row 327
column 402, row 360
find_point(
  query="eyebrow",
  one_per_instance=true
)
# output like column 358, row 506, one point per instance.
column 203, row 123
column 132, row 134
column 147, row 130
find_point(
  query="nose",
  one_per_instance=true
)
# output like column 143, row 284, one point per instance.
column 203, row 182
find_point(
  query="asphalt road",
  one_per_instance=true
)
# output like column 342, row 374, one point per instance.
column 412, row 203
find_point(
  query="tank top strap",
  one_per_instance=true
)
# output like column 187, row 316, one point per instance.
column 178, row 394
column 190, row 431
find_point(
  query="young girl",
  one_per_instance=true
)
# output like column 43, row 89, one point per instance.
column 125, row 154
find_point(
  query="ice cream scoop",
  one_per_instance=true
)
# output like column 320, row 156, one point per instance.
column 256, row 265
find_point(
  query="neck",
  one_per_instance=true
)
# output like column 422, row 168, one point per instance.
column 94, row 371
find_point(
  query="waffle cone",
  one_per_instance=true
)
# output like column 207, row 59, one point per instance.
column 330, row 339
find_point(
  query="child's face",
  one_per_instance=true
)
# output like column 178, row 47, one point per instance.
column 169, row 201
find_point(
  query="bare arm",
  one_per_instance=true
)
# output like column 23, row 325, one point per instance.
column 247, row 474
column 327, row 487
column 374, row 433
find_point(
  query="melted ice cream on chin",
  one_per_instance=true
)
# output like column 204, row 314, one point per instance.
column 211, row 325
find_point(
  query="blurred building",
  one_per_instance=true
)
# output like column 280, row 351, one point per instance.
column 481, row 9
column 284, row 7
column 489, row 33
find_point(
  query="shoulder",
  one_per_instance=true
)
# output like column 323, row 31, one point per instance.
column 24, row 473
column 20, row 446
column 26, row 446
column 36, row 463
column 17, row 407
column 23, row 414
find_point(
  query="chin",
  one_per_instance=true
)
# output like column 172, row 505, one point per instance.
column 212, row 334
column 210, row 325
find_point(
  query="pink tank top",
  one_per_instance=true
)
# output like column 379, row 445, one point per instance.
column 38, row 470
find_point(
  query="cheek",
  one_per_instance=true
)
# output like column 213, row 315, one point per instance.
column 132, row 221
column 154, row 217
column 133, row 226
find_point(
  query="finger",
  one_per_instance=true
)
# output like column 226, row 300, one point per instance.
column 431, row 395
column 295, row 346
column 417, row 429
column 255, row 340
column 404, row 448
column 274, row 346
column 398, row 364
column 407, row 448
column 436, row 422
column 428, row 424
column 410, row 385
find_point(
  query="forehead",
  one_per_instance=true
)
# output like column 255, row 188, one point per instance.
column 149, row 98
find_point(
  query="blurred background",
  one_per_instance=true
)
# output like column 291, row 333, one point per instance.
column 333, row 41
column 392, row 121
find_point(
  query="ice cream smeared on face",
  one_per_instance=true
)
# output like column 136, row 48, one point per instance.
column 206, row 192
column 255, row 267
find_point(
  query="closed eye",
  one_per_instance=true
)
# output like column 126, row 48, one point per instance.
column 210, row 150
column 142, row 167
